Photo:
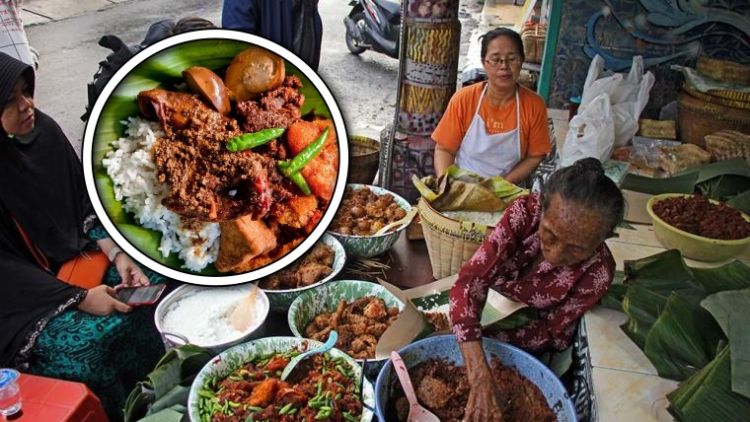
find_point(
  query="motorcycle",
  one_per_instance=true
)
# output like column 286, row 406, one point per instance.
column 375, row 25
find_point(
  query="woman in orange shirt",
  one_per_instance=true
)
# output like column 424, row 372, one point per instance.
column 497, row 128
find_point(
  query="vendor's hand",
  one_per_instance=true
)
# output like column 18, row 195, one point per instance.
column 101, row 301
column 130, row 273
column 484, row 401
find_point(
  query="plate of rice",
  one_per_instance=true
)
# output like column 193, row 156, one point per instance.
column 213, row 157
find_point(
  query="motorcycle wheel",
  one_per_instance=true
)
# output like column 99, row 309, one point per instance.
column 351, row 43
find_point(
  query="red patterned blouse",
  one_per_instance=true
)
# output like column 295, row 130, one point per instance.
column 561, row 295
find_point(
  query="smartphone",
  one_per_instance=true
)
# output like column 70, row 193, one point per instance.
column 139, row 296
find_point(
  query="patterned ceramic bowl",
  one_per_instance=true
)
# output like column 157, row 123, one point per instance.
column 222, row 365
column 369, row 246
column 282, row 298
column 445, row 347
column 326, row 298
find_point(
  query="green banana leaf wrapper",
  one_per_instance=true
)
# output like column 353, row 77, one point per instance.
column 164, row 70
column 692, row 325
column 463, row 190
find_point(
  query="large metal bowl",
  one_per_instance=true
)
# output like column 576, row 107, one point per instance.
column 175, row 339
column 445, row 347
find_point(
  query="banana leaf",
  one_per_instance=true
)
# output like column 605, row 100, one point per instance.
column 741, row 202
column 683, row 339
column 165, row 389
column 720, row 180
column 730, row 309
column 650, row 282
column 707, row 395
column 732, row 276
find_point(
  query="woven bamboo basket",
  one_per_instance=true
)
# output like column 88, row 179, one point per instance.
column 450, row 242
column 724, row 70
column 363, row 160
column 698, row 118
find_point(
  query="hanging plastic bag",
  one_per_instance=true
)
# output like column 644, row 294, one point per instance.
column 591, row 133
column 628, row 95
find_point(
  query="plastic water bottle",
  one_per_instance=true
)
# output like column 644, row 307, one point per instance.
column 10, row 394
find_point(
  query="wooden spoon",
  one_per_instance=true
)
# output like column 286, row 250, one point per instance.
column 405, row 220
column 243, row 314
column 417, row 413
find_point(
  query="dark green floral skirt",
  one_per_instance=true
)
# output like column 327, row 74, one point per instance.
column 109, row 354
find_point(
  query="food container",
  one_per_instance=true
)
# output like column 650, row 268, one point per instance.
column 172, row 339
column 450, row 242
column 691, row 245
column 369, row 246
column 326, row 298
column 280, row 299
column 364, row 159
column 223, row 364
column 446, row 347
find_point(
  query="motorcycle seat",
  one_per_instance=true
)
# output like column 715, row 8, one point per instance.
column 391, row 8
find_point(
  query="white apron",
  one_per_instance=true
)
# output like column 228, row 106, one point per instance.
column 490, row 155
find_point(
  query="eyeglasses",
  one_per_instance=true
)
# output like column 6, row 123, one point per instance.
column 510, row 61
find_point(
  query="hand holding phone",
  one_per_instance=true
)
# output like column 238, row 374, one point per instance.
column 140, row 296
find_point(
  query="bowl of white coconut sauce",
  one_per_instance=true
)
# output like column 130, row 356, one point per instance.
column 199, row 315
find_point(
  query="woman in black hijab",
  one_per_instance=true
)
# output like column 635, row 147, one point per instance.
column 48, row 327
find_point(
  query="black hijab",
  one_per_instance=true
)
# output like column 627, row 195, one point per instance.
column 42, row 190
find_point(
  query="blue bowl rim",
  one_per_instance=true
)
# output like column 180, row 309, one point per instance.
column 567, row 403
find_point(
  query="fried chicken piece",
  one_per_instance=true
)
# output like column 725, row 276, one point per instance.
column 312, row 273
column 433, row 392
column 264, row 392
column 295, row 212
column 375, row 309
column 242, row 240
column 272, row 256
column 377, row 329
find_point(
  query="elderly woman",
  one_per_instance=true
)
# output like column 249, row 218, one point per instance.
column 48, row 327
column 497, row 128
column 548, row 252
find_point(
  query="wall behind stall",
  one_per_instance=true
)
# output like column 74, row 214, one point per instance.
column 656, row 29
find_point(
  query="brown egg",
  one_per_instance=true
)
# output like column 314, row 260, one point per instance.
column 254, row 71
column 209, row 86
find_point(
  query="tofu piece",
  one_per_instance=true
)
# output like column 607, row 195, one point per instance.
column 242, row 240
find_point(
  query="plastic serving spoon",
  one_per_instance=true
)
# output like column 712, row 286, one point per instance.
column 333, row 337
column 242, row 315
column 405, row 220
column 417, row 413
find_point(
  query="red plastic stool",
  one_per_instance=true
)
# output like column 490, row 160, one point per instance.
column 52, row 400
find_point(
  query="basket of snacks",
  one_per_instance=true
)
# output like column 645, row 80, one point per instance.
column 457, row 212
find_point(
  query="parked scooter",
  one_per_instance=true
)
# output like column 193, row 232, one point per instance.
column 375, row 25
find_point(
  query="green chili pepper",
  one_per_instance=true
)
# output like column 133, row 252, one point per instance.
column 297, row 179
column 254, row 408
column 205, row 393
column 311, row 151
column 284, row 410
column 250, row 418
column 348, row 416
column 323, row 413
column 252, row 140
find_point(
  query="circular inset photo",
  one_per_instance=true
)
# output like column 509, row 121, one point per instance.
column 215, row 157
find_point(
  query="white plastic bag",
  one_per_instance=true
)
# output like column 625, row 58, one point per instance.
column 628, row 95
column 590, row 133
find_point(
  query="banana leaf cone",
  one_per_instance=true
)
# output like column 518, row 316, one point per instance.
column 462, row 190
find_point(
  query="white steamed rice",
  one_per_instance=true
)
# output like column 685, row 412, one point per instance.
column 131, row 167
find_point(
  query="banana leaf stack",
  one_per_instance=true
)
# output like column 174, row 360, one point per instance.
column 692, row 324
column 163, row 396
